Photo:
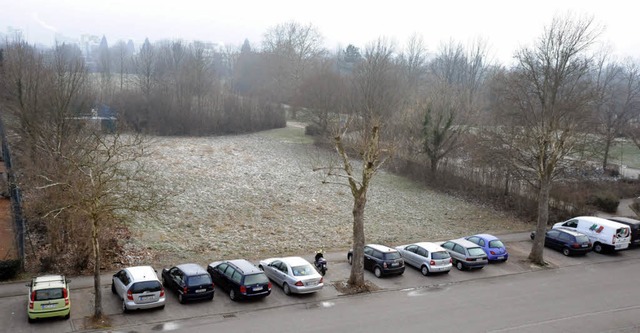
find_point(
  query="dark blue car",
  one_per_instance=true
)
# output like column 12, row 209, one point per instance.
column 567, row 241
column 491, row 245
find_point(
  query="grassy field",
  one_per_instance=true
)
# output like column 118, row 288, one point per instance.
column 627, row 152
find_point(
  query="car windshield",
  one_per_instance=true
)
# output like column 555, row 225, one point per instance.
column 302, row 270
column 440, row 255
column 496, row 243
column 199, row 279
column 150, row 286
column 47, row 294
column 255, row 279
column 582, row 239
column 476, row 251
column 392, row 255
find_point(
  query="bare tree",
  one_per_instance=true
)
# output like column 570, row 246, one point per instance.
column 547, row 99
column 373, row 97
column 291, row 46
column 322, row 92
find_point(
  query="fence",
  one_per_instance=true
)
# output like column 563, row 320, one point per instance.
column 14, row 192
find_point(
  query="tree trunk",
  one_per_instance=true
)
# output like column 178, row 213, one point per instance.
column 536, row 255
column 96, row 271
column 607, row 148
column 356, row 279
column 434, row 165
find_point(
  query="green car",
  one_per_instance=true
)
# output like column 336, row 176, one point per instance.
column 49, row 297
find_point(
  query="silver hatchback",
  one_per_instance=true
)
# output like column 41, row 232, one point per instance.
column 427, row 257
column 465, row 254
column 139, row 288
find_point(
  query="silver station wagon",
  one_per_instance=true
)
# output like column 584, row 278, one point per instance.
column 465, row 254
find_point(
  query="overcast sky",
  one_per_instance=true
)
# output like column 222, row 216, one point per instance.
column 505, row 24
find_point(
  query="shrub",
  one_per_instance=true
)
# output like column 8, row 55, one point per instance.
column 606, row 201
column 9, row 269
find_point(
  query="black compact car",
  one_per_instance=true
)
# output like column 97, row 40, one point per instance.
column 633, row 224
column 381, row 260
column 240, row 278
column 189, row 281
column 567, row 241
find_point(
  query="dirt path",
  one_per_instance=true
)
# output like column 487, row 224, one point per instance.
column 8, row 249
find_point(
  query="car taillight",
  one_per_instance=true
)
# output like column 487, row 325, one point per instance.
column 321, row 280
column 33, row 298
column 161, row 292
column 450, row 261
column 269, row 285
column 185, row 289
column 575, row 245
column 64, row 292
column 299, row 284
column 129, row 295
column 432, row 263
column 613, row 239
column 243, row 289
column 384, row 265
column 492, row 253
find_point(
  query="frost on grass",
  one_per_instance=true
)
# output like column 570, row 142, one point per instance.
column 253, row 196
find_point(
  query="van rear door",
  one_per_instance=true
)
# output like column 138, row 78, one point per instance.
column 622, row 238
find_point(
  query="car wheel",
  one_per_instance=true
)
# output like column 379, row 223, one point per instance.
column 30, row 320
column 67, row 316
column 232, row 294
column 424, row 270
column 349, row 259
column 597, row 247
column 180, row 298
column 162, row 307
column 113, row 288
column 566, row 251
column 286, row 289
column 124, row 307
column 261, row 268
column 459, row 266
column 532, row 236
column 377, row 272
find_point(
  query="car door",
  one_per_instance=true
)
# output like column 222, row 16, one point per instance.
column 551, row 239
column 276, row 271
column 368, row 258
column 410, row 256
column 177, row 279
column 228, row 277
column 286, row 273
column 449, row 247
column 421, row 256
column 459, row 252
column 219, row 277
column 120, row 282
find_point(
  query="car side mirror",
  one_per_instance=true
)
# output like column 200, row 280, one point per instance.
column 68, row 281
column 27, row 285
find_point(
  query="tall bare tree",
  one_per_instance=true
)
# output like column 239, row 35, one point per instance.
column 373, row 97
column 547, row 100
column 291, row 47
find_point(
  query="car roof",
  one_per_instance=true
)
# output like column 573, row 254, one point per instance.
column 488, row 237
column 465, row 243
column 381, row 248
column 245, row 266
column 142, row 273
column 192, row 269
column 48, row 281
column 294, row 261
column 431, row 247
column 625, row 220
column 569, row 231
column 599, row 220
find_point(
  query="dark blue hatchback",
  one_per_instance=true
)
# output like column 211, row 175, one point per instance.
column 189, row 281
column 567, row 241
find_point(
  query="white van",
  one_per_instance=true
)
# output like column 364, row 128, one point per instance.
column 604, row 234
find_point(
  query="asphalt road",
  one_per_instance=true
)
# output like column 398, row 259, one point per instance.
column 592, row 293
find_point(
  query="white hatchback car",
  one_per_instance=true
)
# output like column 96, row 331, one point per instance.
column 293, row 274
column 139, row 288
column 427, row 257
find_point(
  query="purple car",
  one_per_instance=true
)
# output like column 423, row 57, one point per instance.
column 491, row 245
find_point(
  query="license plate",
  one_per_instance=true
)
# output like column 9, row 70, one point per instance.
column 500, row 257
column 584, row 245
column 258, row 288
column 48, row 306
column 395, row 264
column 618, row 246
column 312, row 283
column 200, row 291
column 145, row 298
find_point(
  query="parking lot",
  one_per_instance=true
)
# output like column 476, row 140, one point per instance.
column 13, row 298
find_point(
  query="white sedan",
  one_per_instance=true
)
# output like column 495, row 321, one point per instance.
column 293, row 274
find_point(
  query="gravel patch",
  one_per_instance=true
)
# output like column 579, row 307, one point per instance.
column 256, row 195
